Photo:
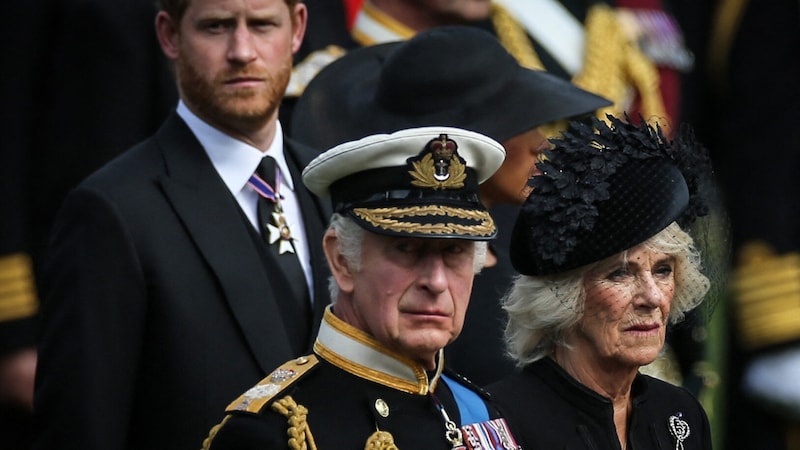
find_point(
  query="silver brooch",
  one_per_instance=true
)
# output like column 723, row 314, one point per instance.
column 281, row 375
column 679, row 429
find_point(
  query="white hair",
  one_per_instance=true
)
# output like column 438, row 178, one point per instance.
column 542, row 310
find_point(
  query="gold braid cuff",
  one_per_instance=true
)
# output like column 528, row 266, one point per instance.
column 300, row 437
column 18, row 298
column 766, row 293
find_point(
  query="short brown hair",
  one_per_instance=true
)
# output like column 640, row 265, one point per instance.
column 177, row 8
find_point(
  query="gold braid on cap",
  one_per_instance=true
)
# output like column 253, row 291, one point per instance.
column 386, row 218
column 300, row 437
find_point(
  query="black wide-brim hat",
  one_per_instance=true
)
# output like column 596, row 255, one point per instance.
column 454, row 76
column 417, row 182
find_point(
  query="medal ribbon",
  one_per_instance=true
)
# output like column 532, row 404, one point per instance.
column 480, row 432
column 266, row 190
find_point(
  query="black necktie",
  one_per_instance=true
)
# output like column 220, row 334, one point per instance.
column 275, row 234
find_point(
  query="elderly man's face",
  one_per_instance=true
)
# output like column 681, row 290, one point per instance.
column 627, row 306
column 411, row 294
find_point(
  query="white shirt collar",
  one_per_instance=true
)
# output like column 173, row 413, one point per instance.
column 235, row 160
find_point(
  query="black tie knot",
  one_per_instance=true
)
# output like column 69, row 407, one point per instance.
column 266, row 170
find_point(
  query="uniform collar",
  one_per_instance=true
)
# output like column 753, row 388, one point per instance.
column 356, row 352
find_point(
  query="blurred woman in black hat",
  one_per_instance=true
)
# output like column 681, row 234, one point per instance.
column 608, row 261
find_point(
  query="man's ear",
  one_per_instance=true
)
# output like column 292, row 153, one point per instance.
column 336, row 261
column 299, row 24
column 168, row 34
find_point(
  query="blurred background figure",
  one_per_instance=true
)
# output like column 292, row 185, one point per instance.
column 85, row 80
column 747, row 101
column 630, row 51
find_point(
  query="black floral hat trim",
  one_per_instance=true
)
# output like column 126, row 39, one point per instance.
column 574, row 178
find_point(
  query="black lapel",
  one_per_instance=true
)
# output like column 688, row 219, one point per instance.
column 316, row 213
column 214, row 221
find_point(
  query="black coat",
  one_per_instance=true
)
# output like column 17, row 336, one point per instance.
column 159, row 307
column 550, row 410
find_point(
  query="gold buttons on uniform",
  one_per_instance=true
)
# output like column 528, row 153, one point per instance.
column 382, row 407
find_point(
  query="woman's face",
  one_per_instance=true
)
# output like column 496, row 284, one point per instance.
column 626, row 310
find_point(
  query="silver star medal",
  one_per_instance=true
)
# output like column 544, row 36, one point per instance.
column 679, row 430
column 280, row 232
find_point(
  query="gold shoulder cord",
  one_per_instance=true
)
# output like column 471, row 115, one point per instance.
column 213, row 433
column 514, row 38
column 611, row 62
column 300, row 437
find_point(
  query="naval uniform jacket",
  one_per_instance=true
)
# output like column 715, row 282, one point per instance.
column 349, row 388
column 160, row 307
column 550, row 410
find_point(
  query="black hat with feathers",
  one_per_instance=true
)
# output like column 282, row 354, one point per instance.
column 604, row 188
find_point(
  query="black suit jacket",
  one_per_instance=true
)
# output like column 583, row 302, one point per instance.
column 158, row 308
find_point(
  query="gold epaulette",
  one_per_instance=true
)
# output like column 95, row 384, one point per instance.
column 305, row 71
column 766, row 292
column 18, row 298
column 261, row 394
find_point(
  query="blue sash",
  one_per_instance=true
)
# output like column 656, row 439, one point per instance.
column 470, row 405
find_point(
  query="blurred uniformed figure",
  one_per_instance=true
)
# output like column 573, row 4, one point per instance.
column 753, row 103
column 630, row 51
column 407, row 235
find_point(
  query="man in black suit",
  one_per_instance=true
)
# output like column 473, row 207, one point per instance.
column 164, row 298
